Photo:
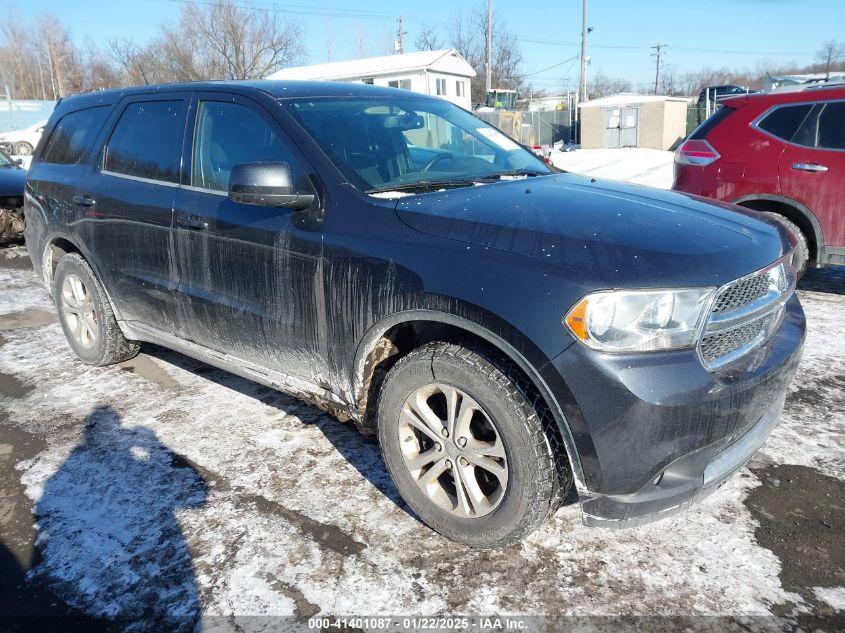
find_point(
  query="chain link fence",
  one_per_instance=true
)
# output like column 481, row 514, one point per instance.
column 698, row 113
column 533, row 128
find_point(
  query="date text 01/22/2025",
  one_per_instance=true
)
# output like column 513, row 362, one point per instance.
column 416, row 623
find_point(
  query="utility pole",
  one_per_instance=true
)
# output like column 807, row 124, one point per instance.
column 582, row 84
column 489, row 51
column 400, row 37
column 658, row 48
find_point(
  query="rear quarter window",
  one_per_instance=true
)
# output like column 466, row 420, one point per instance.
column 73, row 135
column 784, row 122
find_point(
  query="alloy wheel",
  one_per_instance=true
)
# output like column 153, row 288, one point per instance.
column 79, row 312
column 453, row 450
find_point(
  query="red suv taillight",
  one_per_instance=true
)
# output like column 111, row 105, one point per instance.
column 696, row 152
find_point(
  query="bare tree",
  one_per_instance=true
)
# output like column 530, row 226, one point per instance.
column 231, row 41
column 468, row 38
column 428, row 40
column 130, row 60
column 359, row 41
column 329, row 31
column 603, row 86
column 831, row 53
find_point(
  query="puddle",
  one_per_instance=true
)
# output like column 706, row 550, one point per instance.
column 12, row 387
column 33, row 317
column 802, row 521
column 144, row 366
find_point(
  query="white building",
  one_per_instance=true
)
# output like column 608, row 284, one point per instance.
column 444, row 73
column 771, row 82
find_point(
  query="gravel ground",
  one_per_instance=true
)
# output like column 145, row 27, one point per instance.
column 176, row 496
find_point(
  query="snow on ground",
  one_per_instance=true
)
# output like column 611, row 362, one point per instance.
column 170, row 491
column 651, row 167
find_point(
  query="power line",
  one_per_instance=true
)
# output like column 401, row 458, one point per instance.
column 542, row 70
column 305, row 10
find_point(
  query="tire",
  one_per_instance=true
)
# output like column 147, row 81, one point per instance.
column 84, row 308
column 527, row 477
column 802, row 248
column 23, row 149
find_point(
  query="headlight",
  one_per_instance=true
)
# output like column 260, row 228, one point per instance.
column 639, row 320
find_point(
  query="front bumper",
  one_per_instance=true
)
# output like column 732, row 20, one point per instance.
column 656, row 432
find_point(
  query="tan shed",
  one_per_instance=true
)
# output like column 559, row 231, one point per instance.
column 633, row 120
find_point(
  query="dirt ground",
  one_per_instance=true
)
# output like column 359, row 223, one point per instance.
column 165, row 494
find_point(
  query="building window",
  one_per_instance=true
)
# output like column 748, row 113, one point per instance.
column 440, row 85
column 404, row 84
column 459, row 88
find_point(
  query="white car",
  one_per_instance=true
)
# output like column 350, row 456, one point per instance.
column 22, row 142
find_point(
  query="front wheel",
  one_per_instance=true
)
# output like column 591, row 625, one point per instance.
column 23, row 149
column 802, row 249
column 465, row 446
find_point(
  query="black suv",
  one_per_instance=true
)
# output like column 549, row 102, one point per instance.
column 717, row 93
column 505, row 330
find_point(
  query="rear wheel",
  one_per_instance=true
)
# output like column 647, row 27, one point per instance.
column 86, row 316
column 465, row 446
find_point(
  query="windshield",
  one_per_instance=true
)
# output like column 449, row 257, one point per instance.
column 4, row 161
column 385, row 142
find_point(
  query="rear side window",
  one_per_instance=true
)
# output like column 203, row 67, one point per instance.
column 715, row 119
column 832, row 126
column 73, row 135
column 784, row 122
column 147, row 141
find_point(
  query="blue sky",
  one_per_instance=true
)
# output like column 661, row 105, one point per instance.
column 699, row 33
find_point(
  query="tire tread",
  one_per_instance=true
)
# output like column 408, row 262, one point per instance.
column 555, row 476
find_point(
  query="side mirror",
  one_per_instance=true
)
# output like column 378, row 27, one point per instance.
column 267, row 184
column 19, row 161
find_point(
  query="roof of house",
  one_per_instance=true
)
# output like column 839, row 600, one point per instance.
column 628, row 98
column 447, row 60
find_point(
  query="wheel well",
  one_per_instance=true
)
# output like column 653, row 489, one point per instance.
column 790, row 213
column 55, row 250
column 405, row 337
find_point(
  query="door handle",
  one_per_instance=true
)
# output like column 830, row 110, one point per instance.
column 191, row 223
column 813, row 167
column 84, row 200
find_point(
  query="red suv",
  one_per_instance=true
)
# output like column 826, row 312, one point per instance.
column 783, row 153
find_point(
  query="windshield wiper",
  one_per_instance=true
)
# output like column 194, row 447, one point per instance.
column 428, row 185
column 424, row 185
column 512, row 172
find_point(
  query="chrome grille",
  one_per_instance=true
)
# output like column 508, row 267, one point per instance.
column 715, row 346
column 742, row 293
column 744, row 313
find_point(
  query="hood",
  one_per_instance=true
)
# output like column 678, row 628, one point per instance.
column 613, row 234
column 12, row 181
